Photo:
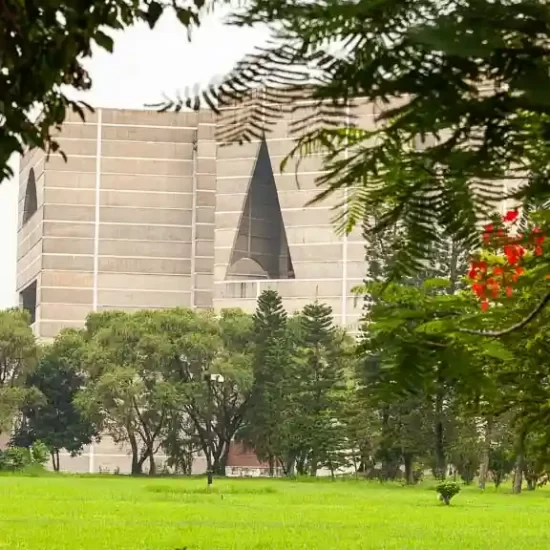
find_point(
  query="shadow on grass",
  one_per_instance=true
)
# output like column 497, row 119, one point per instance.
column 215, row 490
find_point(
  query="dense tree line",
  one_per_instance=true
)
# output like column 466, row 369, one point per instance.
column 413, row 394
column 140, row 378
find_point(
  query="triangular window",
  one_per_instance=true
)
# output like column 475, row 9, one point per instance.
column 261, row 249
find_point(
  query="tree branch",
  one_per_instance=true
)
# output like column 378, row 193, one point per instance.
column 496, row 333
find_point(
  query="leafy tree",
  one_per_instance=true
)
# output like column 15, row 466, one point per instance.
column 43, row 47
column 131, row 391
column 55, row 420
column 204, row 345
column 18, row 357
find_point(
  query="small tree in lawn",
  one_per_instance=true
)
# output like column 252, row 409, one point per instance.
column 447, row 490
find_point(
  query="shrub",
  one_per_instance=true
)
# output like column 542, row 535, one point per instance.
column 14, row 459
column 17, row 459
column 447, row 490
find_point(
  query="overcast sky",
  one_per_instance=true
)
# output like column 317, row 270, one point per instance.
column 144, row 65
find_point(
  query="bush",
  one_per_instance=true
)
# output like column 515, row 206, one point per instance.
column 447, row 490
column 14, row 459
column 18, row 459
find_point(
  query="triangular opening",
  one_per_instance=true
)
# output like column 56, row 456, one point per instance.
column 31, row 203
column 261, row 249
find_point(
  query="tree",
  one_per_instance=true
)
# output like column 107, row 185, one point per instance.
column 466, row 81
column 204, row 344
column 55, row 420
column 130, row 391
column 271, row 369
column 18, row 357
column 320, row 383
column 43, row 47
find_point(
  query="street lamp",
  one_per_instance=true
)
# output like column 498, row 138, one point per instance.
column 210, row 379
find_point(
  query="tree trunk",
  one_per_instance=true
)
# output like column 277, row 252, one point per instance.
column 440, row 466
column 520, row 464
column 518, row 474
column 290, row 468
column 484, row 468
column 152, row 463
column 408, row 460
column 55, row 459
column 219, row 458
column 301, row 464
column 271, row 466
column 313, row 466
column 136, row 464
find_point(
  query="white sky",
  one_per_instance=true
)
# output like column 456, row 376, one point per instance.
column 144, row 66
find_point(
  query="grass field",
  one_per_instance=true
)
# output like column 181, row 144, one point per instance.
column 117, row 513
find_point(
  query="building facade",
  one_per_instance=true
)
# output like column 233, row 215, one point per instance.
column 150, row 211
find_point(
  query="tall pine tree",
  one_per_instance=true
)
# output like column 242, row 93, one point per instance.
column 321, row 383
column 265, row 426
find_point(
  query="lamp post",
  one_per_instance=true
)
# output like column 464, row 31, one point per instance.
column 210, row 379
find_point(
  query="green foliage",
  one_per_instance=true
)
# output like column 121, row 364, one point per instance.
column 44, row 45
column 320, row 386
column 447, row 490
column 18, row 459
column 18, row 357
column 146, row 380
column 54, row 419
column 269, row 400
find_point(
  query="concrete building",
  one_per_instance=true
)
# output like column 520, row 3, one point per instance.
column 150, row 211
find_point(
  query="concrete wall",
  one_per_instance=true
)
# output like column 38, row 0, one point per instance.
column 127, row 223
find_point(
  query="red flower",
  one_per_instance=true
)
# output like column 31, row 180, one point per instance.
column 509, row 291
column 520, row 270
column 484, row 305
column 478, row 289
column 489, row 228
column 511, row 216
column 538, row 250
column 498, row 271
column 513, row 252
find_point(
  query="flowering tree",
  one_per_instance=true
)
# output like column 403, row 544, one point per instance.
column 510, row 251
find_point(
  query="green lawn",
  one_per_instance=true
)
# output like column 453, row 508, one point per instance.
column 117, row 513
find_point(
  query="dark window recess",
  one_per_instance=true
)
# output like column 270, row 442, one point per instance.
column 27, row 300
column 260, row 250
column 31, row 202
